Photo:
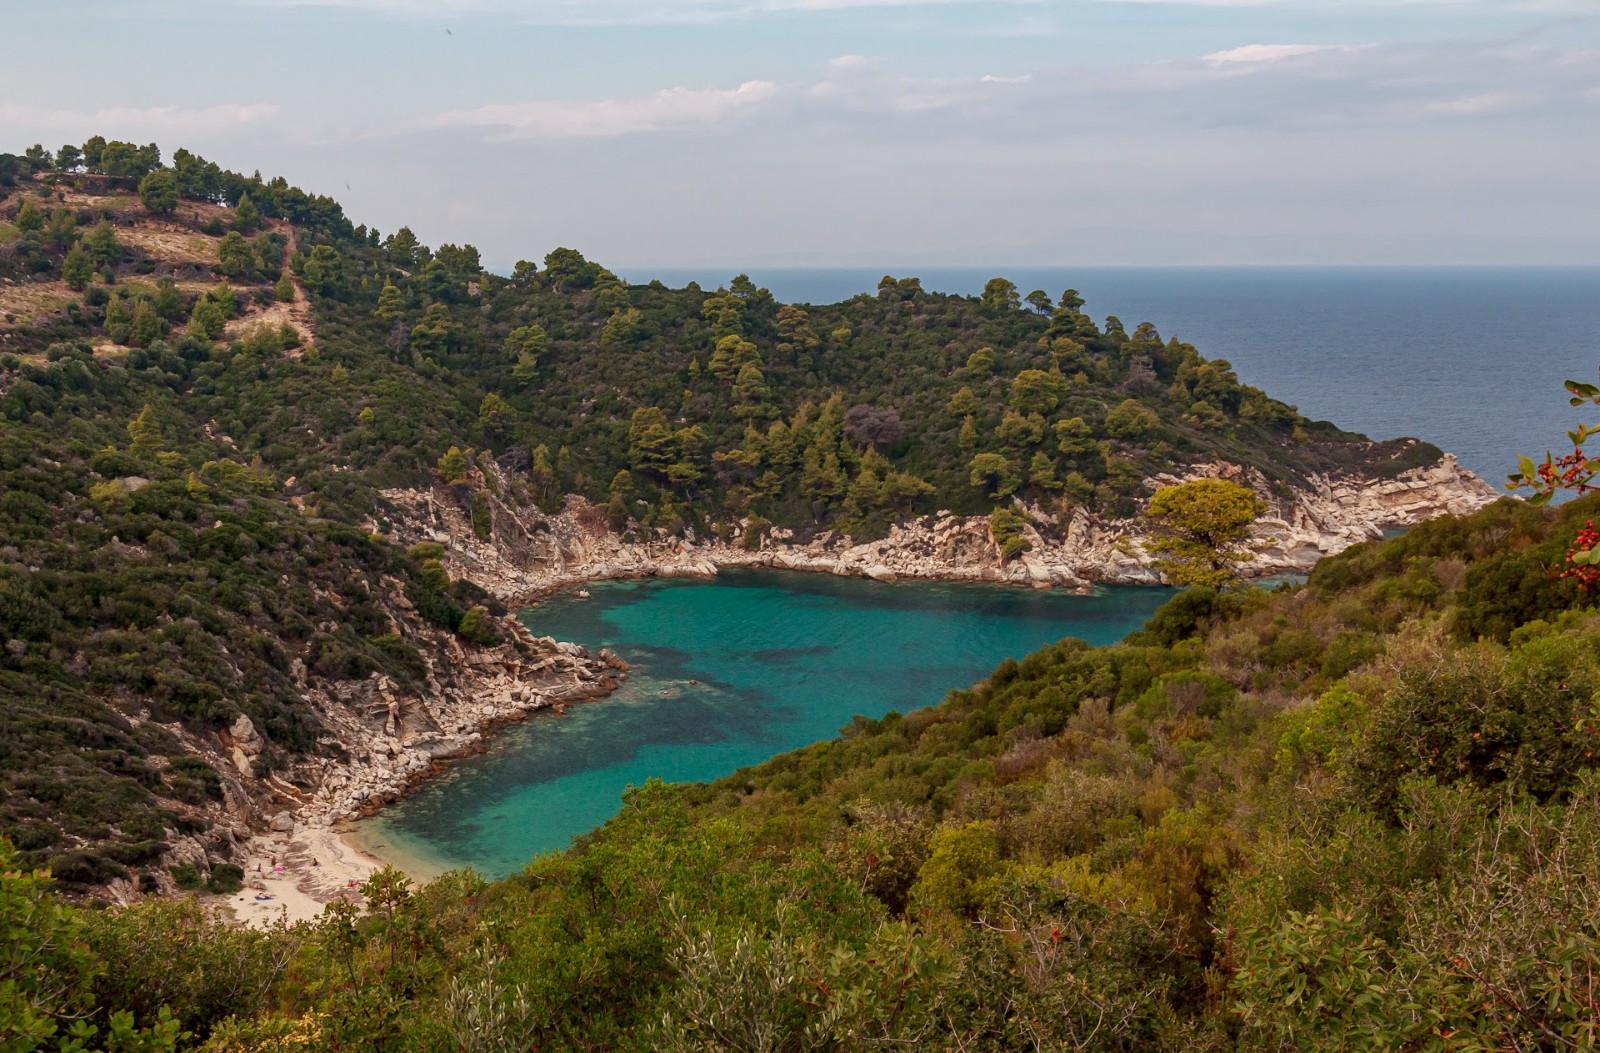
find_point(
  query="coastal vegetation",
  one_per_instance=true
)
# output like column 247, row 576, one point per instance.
column 203, row 400
column 1358, row 813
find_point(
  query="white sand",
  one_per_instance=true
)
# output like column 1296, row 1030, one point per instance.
column 317, row 864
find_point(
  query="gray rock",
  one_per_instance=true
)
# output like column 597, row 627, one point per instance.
column 245, row 736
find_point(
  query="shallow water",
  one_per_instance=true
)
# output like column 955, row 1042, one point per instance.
column 726, row 674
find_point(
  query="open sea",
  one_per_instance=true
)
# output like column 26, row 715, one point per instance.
column 731, row 672
column 1469, row 358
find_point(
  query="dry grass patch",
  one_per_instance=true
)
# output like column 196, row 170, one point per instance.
column 117, row 204
column 21, row 303
column 277, row 315
column 147, row 283
column 125, row 203
column 175, row 246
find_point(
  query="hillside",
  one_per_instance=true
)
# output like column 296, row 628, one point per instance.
column 1355, row 814
column 256, row 539
column 272, row 482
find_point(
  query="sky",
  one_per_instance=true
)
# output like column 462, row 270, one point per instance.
column 867, row 132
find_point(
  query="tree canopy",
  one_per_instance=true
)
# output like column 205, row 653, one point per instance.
column 1201, row 530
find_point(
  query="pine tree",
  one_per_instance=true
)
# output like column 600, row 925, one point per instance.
column 235, row 257
column 246, row 216
column 1042, row 472
column 453, row 465
column 168, row 301
column 567, row 469
column 144, row 432
column 118, row 323
column 391, row 302
column 158, row 191
column 750, row 390
column 525, row 345
column 435, row 331
column 967, row 440
column 964, row 403
column 404, row 248
column 542, row 474
column 207, row 321
column 77, row 269
column 226, row 299
column 495, row 419
column 146, row 327
column 29, row 219
column 101, row 244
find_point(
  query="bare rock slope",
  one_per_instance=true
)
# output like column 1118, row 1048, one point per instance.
column 528, row 553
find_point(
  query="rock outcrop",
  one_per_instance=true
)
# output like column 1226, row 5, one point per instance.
column 380, row 740
column 390, row 740
column 530, row 553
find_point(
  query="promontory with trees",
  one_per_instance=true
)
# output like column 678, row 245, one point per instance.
column 1355, row 813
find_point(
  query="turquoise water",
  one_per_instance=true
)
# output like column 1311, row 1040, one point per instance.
column 726, row 674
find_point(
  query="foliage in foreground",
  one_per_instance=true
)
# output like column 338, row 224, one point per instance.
column 1363, row 813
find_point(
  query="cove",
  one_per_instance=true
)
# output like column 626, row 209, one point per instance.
column 726, row 673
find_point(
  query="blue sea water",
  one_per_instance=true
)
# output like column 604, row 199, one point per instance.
column 1469, row 358
column 726, row 674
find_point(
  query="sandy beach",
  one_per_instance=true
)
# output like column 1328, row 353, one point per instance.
column 302, row 872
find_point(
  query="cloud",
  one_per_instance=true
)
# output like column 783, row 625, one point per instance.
column 669, row 109
column 1345, row 141
column 1292, row 87
column 1252, row 54
column 139, row 120
column 862, row 87
column 612, row 12
column 851, row 63
column 1296, row 87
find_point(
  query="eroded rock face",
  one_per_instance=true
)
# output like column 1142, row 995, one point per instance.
column 531, row 553
column 394, row 740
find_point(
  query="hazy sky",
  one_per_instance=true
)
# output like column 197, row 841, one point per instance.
column 866, row 131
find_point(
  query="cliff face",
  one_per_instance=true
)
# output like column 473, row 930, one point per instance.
column 388, row 739
column 377, row 739
column 529, row 553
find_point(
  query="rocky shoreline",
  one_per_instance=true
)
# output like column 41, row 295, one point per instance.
column 530, row 554
column 286, row 827
column 390, row 742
